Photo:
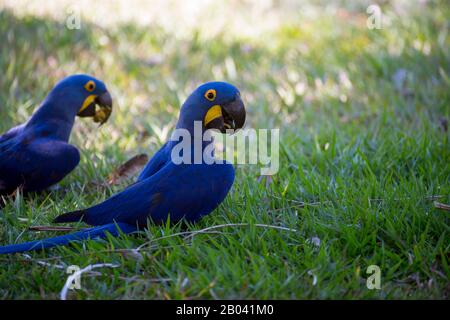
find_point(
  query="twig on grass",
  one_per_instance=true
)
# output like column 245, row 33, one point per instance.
column 299, row 204
column 165, row 237
column 259, row 225
column 50, row 228
column 441, row 206
column 190, row 234
column 44, row 263
column 133, row 278
column 432, row 197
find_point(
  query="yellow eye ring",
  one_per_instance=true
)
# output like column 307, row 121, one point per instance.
column 90, row 86
column 210, row 94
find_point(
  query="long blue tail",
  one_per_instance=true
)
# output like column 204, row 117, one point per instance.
column 92, row 233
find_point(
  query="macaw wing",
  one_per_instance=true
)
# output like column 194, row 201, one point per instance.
column 159, row 159
column 36, row 164
column 183, row 191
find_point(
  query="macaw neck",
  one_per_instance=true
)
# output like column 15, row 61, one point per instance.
column 193, row 127
column 52, row 120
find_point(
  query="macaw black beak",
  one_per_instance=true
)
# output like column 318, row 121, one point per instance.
column 104, row 103
column 231, row 115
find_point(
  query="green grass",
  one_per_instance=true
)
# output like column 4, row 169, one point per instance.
column 368, row 150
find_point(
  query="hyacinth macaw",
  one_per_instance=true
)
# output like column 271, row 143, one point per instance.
column 36, row 154
column 165, row 189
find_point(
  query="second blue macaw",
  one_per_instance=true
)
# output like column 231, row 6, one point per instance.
column 36, row 154
column 166, row 188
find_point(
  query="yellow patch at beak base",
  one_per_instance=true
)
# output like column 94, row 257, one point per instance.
column 213, row 113
column 88, row 101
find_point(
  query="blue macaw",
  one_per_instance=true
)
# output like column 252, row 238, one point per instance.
column 36, row 154
column 166, row 189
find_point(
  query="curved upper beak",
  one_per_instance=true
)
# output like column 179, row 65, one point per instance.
column 230, row 115
column 104, row 103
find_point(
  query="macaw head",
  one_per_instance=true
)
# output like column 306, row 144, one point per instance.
column 84, row 96
column 217, row 105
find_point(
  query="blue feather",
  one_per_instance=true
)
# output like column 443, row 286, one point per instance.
column 91, row 233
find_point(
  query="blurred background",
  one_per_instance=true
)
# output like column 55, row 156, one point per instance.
column 306, row 63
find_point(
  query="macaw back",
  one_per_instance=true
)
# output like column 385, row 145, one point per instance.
column 185, row 191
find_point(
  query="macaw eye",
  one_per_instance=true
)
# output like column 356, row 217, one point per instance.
column 90, row 86
column 210, row 94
